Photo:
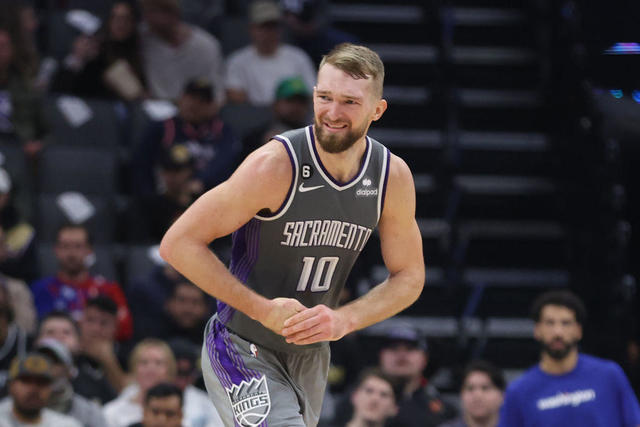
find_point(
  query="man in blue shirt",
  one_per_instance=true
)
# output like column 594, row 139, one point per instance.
column 568, row 388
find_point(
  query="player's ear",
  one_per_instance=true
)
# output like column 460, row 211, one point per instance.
column 381, row 107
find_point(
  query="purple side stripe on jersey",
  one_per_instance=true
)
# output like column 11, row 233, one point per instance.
column 226, row 362
column 386, row 179
column 326, row 172
column 214, row 358
column 244, row 255
column 224, row 312
column 250, row 246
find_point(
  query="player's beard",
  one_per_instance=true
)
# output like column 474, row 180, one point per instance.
column 558, row 353
column 333, row 143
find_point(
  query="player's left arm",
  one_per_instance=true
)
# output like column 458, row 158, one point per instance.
column 401, row 245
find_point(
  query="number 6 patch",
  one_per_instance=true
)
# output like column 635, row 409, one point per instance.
column 307, row 171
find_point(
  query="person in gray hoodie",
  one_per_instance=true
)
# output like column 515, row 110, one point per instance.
column 63, row 399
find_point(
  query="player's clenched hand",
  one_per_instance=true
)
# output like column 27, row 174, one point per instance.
column 319, row 323
column 280, row 310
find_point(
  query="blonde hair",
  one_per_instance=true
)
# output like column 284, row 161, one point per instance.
column 359, row 62
column 153, row 342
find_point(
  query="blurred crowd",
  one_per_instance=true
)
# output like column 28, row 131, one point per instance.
column 216, row 80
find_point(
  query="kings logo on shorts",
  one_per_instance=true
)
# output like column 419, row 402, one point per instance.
column 250, row 401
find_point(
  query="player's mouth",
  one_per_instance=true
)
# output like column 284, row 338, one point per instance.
column 334, row 127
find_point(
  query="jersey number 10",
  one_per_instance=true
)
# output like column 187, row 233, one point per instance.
column 327, row 263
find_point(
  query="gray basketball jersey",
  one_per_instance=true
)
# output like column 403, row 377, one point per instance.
column 307, row 248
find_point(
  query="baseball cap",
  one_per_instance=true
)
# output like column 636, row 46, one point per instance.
column 31, row 365
column 404, row 333
column 5, row 181
column 56, row 350
column 291, row 87
column 201, row 88
column 176, row 157
column 262, row 11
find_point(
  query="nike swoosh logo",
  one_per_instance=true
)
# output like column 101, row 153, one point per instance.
column 304, row 189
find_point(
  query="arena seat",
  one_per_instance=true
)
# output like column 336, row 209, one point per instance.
column 83, row 169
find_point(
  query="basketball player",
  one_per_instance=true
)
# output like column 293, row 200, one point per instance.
column 301, row 209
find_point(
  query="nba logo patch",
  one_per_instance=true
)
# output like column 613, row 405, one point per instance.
column 250, row 401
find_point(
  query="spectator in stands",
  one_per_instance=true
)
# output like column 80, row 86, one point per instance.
column 481, row 395
column 151, row 294
column 21, row 300
column 187, row 311
column 404, row 357
column 90, row 379
column 162, row 407
column 291, row 110
column 24, row 15
column 308, row 27
column 20, row 19
column 567, row 387
column 18, row 256
column 374, row 400
column 98, row 328
column 21, row 112
column 254, row 71
column 107, row 65
column 13, row 339
column 292, row 107
column 30, row 381
column 187, row 356
column 152, row 214
column 188, row 373
column 175, row 52
column 152, row 362
column 210, row 141
column 72, row 285
column 63, row 399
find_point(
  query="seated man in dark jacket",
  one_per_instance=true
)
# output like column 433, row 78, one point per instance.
column 210, row 141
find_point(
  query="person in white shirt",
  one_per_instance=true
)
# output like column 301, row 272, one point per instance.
column 254, row 71
column 153, row 362
column 175, row 52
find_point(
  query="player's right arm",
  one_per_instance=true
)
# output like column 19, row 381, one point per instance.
column 262, row 181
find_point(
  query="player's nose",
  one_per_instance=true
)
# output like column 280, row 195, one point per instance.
column 333, row 111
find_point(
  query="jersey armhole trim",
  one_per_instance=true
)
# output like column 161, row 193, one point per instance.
column 294, row 181
column 384, row 178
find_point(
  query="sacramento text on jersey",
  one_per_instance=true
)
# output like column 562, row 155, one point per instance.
column 339, row 234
